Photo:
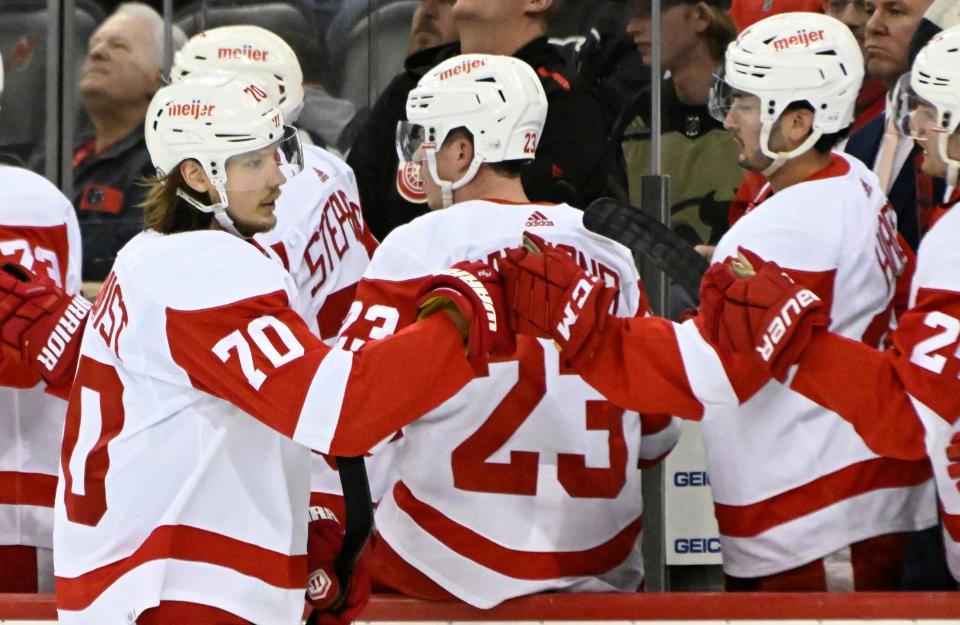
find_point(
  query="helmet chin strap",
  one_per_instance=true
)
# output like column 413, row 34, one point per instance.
column 953, row 165
column 446, row 187
column 779, row 158
column 219, row 209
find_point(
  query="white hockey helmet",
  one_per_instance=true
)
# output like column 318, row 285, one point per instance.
column 935, row 80
column 793, row 57
column 250, row 50
column 499, row 99
column 211, row 118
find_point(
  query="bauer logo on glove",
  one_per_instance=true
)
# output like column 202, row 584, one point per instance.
column 777, row 328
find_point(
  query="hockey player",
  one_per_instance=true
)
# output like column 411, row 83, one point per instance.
column 904, row 402
column 531, row 479
column 199, row 393
column 38, row 229
column 792, row 482
column 320, row 237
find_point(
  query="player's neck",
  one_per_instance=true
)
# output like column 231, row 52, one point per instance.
column 477, row 38
column 489, row 186
column 798, row 169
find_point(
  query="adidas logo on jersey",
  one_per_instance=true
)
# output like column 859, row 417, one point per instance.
column 538, row 219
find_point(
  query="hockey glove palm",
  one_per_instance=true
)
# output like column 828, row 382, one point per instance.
column 41, row 322
column 324, row 541
column 549, row 295
column 473, row 291
column 769, row 313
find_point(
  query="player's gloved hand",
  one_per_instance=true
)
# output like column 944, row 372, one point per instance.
column 473, row 291
column 41, row 322
column 953, row 455
column 324, row 541
column 766, row 311
column 713, row 289
column 549, row 295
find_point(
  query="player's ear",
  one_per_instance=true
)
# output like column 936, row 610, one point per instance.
column 194, row 176
column 800, row 125
column 537, row 6
column 463, row 148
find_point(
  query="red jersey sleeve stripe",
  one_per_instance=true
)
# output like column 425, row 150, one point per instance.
column 27, row 489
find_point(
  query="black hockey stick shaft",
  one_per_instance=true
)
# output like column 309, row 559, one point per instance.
column 357, row 529
column 647, row 237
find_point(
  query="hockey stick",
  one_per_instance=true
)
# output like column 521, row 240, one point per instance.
column 357, row 529
column 645, row 236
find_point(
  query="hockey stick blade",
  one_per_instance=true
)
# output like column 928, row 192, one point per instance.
column 357, row 529
column 645, row 236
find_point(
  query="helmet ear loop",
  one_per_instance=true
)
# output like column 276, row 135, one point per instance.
column 219, row 209
column 446, row 187
column 779, row 158
column 953, row 165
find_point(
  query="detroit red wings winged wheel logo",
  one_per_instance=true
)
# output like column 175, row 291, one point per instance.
column 409, row 183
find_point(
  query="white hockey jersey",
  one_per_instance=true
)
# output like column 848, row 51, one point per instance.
column 527, row 480
column 322, row 239
column 791, row 480
column 905, row 402
column 38, row 229
column 179, row 479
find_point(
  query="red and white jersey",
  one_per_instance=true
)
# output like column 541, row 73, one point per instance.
column 38, row 229
column 930, row 334
column 527, row 480
column 186, row 456
column 793, row 481
column 905, row 401
column 321, row 239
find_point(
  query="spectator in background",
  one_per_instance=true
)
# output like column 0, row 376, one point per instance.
column 433, row 25
column 571, row 163
column 697, row 153
column 891, row 155
column 748, row 12
column 854, row 14
column 122, row 71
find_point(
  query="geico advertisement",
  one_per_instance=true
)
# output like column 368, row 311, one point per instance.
column 691, row 529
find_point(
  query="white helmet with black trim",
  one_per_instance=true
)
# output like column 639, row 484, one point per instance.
column 211, row 118
column 499, row 99
column 250, row 50
column 935, row 80
column 793, row 57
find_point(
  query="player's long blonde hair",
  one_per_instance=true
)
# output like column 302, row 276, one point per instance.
column 166, row 212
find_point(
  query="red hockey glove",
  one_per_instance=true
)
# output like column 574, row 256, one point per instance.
column 41, row 322
column 953, row 455
column 549, row 295
column 713, row 289
column 474, row 290
column 324, row 540
column 769, row 313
